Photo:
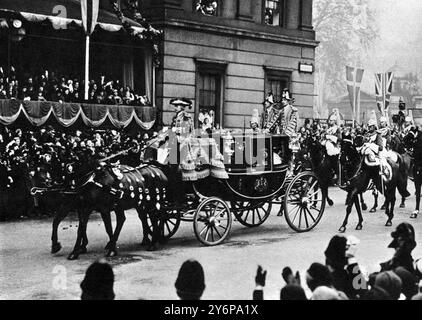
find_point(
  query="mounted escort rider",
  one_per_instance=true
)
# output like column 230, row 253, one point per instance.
column 331, row 141
column 375, row 153
column 385, row 132
column 408, row 126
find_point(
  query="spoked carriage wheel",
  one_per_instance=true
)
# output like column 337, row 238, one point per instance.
column 251, row 214
column 170, row 220
column 212, row 221
column 304, row 203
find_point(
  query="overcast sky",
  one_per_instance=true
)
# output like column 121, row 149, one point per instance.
column 400, row 31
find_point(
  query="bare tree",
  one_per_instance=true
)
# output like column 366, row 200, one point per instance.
column 346, row 30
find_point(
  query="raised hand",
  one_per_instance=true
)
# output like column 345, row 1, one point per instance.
column 260, row 277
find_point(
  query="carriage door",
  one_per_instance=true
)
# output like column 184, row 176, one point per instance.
column 209, row 95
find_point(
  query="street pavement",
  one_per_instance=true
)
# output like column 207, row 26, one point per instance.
column 29, row 271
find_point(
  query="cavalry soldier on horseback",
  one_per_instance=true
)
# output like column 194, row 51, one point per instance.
column 375, row 151
column 408, row 126
column 331, row 141
column 385, row 132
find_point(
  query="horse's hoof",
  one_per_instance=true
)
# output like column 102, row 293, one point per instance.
column 73, row 256
column 364, row 207
column 145, row 242
column 56, row 248
column 389, row 223
column 359, row 227
column 330, row 202
column 111, row 253
column 153, row 247
column 414, row 215
column 402, row 206
column 342, row 229
column 373, row 210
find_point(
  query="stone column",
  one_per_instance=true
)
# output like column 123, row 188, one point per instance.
column 244, row 10
column 292, row 15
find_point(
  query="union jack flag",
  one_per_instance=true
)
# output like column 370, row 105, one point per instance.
column 383, row 90
column 89, row 12
column 354, row 78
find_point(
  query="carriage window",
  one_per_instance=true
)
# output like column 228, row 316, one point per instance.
column 274, row 12
column 206, row 7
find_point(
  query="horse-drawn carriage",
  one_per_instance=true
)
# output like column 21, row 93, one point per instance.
column 259, row 178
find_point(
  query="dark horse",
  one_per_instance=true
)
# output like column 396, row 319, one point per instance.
column 15, row 186
column 359, row 183
column 105, row 188
column 320, row 165
column 413, row 144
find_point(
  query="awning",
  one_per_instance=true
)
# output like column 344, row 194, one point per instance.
column 63, row 12
column 68, row 114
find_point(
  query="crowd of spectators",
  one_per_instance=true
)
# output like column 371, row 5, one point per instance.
column 21, row 150
column 340, row 278
column 48, row 86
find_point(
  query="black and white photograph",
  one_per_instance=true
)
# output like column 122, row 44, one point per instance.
column 233, row 151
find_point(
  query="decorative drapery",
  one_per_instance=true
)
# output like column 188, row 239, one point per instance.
column 67, row 114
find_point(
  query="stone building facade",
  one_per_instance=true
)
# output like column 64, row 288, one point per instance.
column 226, row 55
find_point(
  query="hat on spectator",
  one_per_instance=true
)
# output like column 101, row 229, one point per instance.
column 390, row 282
column 326, row 293
column 320, row 273
column 409, row 285
column 191, row 280
column 405, row 231
column 376, row 293
column 98, row 281
column 183, row 102
column 336, row 250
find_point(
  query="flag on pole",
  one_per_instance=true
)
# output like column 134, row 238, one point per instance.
column 383, row 90
column 89, row 10
column 354, row 78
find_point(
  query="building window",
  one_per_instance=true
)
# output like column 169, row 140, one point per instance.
column 206, row 7
column 276, row 81
column 209, row 94
column 209, row 100
column 274, row 12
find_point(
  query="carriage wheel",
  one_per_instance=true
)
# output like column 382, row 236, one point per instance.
column 304, row 203
column 212, row 221
column 251, row 214
column 170, row 221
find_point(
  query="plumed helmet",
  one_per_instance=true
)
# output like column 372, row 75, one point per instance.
column 183, row 102
column 372, row 122
column 383, row 119
column 270, row 98
column 286, row 94
column 333, row 117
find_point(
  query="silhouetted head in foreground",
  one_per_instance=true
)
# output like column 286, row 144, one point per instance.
column 190, row 283
column 98, row 282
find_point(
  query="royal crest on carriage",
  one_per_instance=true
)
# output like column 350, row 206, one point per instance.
column 261, row 184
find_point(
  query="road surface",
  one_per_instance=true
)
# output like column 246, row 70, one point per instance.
column 29, row 271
